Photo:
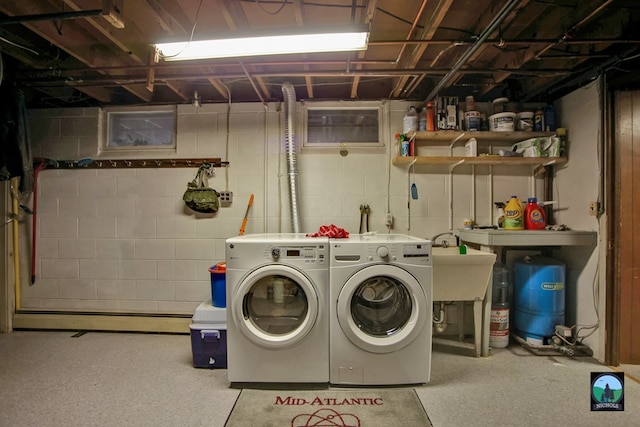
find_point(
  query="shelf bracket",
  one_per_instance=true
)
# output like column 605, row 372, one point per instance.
column 456, row 164
column 454, row 141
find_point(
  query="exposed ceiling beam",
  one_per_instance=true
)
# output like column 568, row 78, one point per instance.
column 219, row 86
column 586, row 9
column 74, row 40
column 172, row 23
column 181, row 89
column 368, row 18
column 234, row 15
column 429, row 29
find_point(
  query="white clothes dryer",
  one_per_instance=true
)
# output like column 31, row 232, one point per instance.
column 380, row 310
column 277, row 308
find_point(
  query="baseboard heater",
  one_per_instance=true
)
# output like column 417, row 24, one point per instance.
column 117, row 322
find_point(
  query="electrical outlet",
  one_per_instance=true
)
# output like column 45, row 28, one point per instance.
column 389, row 220
column 226, row 197
column 593, row 208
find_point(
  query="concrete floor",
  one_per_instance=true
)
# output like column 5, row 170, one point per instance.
column 121, row 379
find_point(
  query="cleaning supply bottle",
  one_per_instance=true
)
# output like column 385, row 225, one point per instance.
column 499, row 320
column 500, row 216
column 422, row 119
column 431, row 117
column 514, row 214
column 410, row 121
column 404, row 145
column 534, row 216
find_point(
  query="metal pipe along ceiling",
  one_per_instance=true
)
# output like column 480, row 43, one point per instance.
column 497, row 20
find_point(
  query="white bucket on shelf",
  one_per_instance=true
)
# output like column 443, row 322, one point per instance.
column 524, row 121
column 502, row 122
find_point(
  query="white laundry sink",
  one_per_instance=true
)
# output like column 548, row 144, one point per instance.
column 461, row 277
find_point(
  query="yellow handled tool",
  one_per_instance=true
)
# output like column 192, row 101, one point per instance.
column 244, row 221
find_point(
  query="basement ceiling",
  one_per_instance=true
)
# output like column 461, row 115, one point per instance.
column 73, row 53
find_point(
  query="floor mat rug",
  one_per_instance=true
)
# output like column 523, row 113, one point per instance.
column 328, row 408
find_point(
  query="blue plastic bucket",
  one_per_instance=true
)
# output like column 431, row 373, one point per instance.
column 218, row 284
column 538, row 297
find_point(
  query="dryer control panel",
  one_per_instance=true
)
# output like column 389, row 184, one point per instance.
column 309, row 254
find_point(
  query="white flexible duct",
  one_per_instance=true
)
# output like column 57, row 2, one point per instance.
column 292, row 156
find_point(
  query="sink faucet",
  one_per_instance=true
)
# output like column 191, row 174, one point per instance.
column 445, row 243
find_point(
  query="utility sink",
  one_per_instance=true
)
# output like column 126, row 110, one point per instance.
column 465, row 277
column 459, row 277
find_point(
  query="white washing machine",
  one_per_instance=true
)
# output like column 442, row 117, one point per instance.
column 380, row 310
column 277, row 308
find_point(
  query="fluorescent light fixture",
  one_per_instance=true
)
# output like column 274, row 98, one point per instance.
column 264, row 45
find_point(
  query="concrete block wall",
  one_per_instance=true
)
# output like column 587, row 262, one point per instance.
column 122, row 240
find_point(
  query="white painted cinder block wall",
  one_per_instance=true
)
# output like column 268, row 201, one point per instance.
column 122, row 240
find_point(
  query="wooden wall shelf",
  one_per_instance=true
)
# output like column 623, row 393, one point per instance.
column 452, row 137
column 480, row 160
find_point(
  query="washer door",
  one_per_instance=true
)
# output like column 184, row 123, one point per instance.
column 275, row 306
column 382, row 308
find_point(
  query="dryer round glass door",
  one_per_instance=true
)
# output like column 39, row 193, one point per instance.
column 382, row 308
column 275, row 306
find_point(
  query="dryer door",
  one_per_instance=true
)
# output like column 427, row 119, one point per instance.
column 382, row 308
column 275, row 306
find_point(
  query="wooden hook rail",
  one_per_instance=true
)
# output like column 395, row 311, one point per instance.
column 129, row 163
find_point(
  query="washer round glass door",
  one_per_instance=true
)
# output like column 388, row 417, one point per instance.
column 382, row 308
column 275, row 306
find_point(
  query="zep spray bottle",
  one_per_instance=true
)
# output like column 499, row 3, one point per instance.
column 514, row 214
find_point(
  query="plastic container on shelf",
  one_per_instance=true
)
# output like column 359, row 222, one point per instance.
column 502, row 122
column 422, row 119
column 524, row 121
column 514, row 214
column 472, row 120
column 549, row 119
column 410, row 121
column 538, row 120
column 534, row 215
column 499, row 105
column 431, row 117
column 470, row 104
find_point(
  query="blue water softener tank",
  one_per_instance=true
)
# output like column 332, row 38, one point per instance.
column 538, row 298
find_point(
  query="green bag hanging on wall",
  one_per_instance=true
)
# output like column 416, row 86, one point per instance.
column 199, row 196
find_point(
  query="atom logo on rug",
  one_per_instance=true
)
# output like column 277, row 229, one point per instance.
column 325, row 418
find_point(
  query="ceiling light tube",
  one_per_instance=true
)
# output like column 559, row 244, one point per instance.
column 264, row 45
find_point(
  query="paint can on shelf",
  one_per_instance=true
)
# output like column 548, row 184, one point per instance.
column 502, row 122
column 524, row 121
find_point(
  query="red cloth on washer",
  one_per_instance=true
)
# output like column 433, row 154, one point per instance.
column 330, row 231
